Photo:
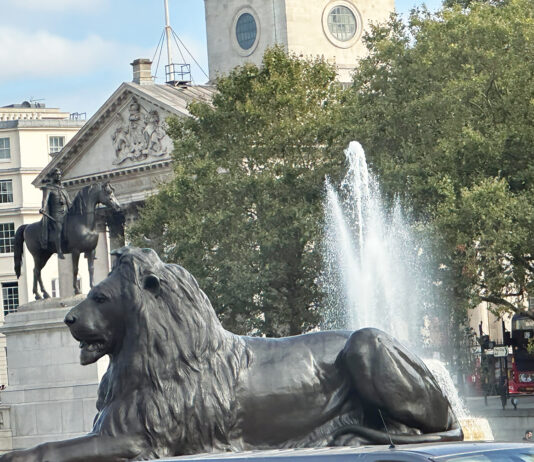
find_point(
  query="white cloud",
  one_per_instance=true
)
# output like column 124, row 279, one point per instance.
column 42, row 54
column 56, row 5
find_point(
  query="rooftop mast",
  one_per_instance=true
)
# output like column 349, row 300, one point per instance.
column 175, row 73
column 168, row 31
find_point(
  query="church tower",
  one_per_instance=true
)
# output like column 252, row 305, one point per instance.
column 239, row 31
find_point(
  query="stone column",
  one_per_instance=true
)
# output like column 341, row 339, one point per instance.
column 115, row 222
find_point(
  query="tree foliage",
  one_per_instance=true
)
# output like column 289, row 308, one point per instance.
column 468, row 3
column 244, row 210
column 444, row 106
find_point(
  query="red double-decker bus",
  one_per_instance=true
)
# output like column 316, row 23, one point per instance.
column 521, row 370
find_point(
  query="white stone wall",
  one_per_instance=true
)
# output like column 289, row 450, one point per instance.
column 50, row 395
column 299, row 25
column 223, row 51
column 308, row 34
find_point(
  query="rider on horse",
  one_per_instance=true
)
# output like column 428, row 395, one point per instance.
column 55, row 205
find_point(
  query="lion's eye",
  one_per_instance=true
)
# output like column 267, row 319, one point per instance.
column 100, row 298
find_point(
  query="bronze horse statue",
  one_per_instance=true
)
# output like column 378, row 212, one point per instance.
column 79, row 235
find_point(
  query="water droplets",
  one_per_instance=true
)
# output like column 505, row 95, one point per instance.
column 373, row 272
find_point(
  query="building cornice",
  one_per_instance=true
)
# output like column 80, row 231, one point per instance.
column 41, row 124
column 19, row 210
column 4, row 276
column 10, row 171
column 103, row 176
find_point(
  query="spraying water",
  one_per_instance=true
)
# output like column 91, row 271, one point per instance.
column 442, row 376
column 377, row 274
column 374, row 275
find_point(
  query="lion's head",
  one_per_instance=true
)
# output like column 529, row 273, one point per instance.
column 142, row 292
column 162, row 335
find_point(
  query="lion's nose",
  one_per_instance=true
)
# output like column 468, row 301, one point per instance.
column 69, row 319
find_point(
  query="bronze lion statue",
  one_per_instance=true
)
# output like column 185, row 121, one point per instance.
column 178, row 383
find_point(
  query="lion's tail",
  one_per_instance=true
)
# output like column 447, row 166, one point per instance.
column 380, row 437
column 18, row 244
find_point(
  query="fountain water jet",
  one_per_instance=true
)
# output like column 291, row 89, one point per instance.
column 376, row 275
column 373, row 275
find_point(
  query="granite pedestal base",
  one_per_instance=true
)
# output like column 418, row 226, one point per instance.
column 49, row 396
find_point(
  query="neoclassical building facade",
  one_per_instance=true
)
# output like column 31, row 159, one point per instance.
column 30, row 136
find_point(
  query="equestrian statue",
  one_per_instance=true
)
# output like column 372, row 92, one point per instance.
column 66, row 227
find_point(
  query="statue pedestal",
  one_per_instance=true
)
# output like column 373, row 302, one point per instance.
column 50, row 396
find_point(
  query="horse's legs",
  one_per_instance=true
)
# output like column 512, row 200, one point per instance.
column 75, row 261
column 39, row 263
column 43, row 290
column 36, row 275
column 91, row 266
column 393, row 380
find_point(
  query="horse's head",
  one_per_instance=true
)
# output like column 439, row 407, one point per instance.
column 107, row 197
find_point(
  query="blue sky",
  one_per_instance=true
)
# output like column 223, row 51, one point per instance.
column 73, row 54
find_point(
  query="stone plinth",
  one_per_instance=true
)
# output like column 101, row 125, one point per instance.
column 50, row 396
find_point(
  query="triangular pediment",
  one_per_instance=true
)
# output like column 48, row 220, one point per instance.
column 134, row 135
column 127, row 132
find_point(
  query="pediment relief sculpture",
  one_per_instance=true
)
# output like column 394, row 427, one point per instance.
column 139, row 134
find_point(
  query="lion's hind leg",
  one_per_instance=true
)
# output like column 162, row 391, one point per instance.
column 389, row 378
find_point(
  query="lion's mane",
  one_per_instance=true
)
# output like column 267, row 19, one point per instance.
column 173, row 379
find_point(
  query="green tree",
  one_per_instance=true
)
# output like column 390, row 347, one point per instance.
column 468, row 3
column 444, row 106
column 244, row 210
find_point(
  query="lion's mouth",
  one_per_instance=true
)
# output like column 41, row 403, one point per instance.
column 92, row 346
column 91, row 351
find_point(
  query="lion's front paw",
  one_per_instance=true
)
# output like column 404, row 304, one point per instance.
column 348, row 439
column 18, row 456
column 35, row 454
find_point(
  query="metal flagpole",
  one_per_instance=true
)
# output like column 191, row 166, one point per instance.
column 168, row 32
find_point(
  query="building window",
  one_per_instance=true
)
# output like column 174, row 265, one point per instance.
column 6, row 191
column 246, row 31
column 5, row 148
column 55, row 144
column 10, row 297
column 342, row 23
column 7, row 232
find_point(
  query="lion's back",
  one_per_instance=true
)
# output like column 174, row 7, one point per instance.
column 290, row 380
column 323, row 346
column 305, row 356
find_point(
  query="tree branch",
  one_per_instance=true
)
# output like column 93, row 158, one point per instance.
column 501, row 301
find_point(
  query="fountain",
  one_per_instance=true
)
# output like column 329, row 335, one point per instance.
column 474, row 428
column 377, row 272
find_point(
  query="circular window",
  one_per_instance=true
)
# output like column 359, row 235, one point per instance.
column 246, row 31
column 342, row 23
